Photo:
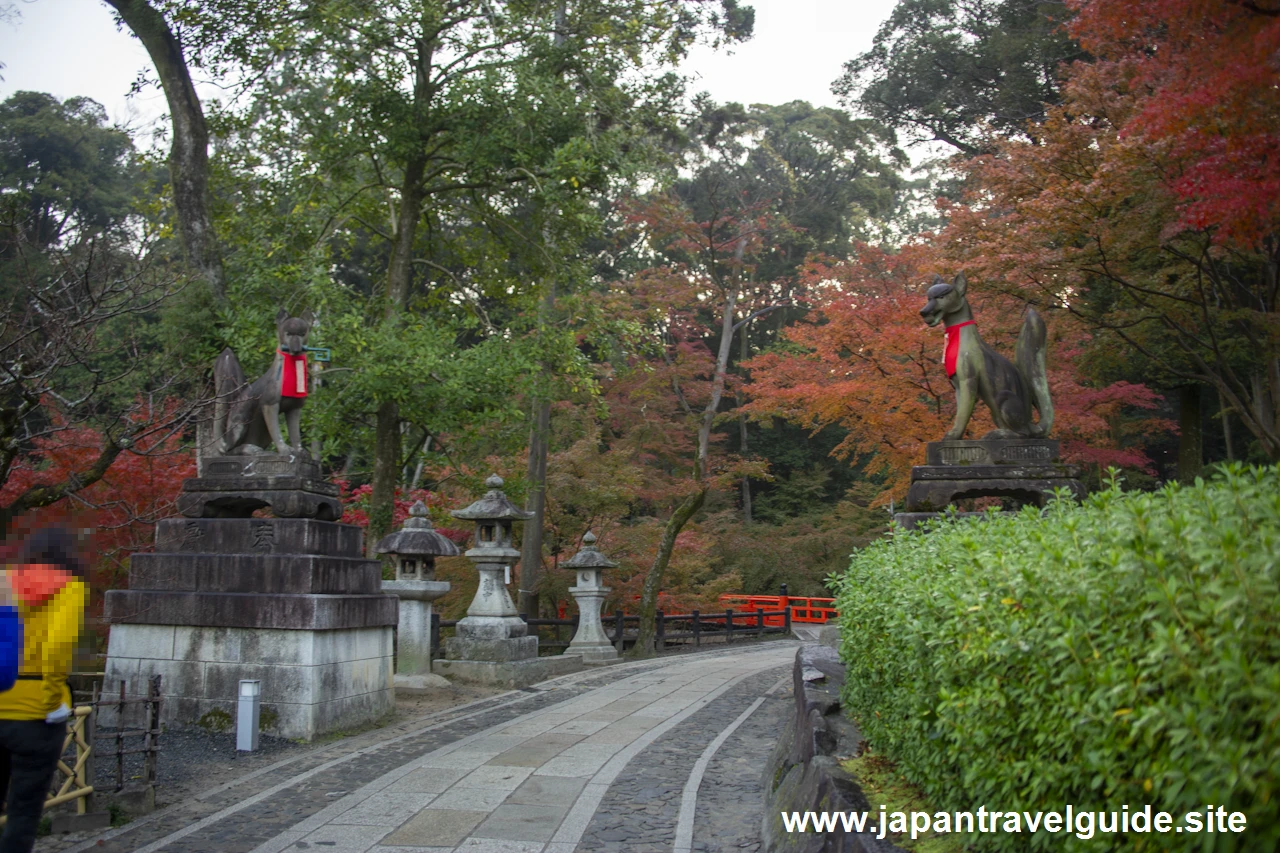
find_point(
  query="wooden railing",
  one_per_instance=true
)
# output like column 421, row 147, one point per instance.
column 74, row 776
column 803, row 608
column 671, row 629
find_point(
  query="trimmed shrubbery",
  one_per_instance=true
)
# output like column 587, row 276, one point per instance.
column 1121, row 652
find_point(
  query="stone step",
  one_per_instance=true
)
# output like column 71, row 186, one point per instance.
column 259, row 536
column 250, row 610
column 262, row 573
column 1025, row 471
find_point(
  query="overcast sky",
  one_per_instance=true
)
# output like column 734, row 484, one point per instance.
column 72, row 47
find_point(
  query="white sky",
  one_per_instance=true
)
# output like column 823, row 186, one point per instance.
column 71, row 47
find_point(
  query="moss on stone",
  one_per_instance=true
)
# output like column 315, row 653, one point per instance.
column 883, row 786
column 216, row 720
column 267, row 718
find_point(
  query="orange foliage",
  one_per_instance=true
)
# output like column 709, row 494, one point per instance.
column 121, row 509
column 864, row 361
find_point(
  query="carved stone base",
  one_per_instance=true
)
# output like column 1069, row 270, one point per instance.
column 290, row 602
column 236, row 486
column 1023, row 469
column 995, row 451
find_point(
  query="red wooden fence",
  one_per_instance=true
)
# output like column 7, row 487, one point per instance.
column 803, row 608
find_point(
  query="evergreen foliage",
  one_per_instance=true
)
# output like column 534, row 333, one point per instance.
column 1120, row 652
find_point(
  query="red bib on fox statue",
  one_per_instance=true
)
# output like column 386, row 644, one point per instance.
column 293, row 375
column 952, row 353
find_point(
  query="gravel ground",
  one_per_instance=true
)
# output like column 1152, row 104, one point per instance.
column 638, row 813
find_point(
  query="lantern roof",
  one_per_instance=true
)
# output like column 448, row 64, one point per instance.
column 417, row 538
column 589, row 557
column 494, row 506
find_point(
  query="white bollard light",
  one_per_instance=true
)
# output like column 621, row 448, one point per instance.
column 248, row 713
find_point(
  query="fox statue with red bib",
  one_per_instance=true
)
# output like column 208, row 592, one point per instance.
column 1010, row 389
column 247, row 415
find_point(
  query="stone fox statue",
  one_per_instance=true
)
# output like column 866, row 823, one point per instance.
column 976, row 370
column 246, row 415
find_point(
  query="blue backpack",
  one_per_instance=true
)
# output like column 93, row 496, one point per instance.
column 10, row 646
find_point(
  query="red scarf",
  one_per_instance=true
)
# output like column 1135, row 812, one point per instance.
column 35, row 583
column 952, row 352
column 293, row 375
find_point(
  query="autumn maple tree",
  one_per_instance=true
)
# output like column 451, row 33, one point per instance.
column 121, row 506
column 703, row 296
column 864, row 362
column 1148, row 205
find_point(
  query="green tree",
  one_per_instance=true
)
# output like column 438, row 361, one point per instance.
column 942, row 70
column 65, row 171
column 475, row 127
column 80, row 284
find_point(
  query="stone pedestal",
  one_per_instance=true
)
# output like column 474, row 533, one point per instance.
column 590, row 641
column 235, row 486
column 413, row 550
column 491, row 644
column 413, row 631
column 288, row 601
column 1027, row 470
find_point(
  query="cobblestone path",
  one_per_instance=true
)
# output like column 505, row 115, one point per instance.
column 661, row 755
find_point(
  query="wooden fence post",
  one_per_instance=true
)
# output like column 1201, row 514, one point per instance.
column 435, row 635
column 90, row 732
column 153, row 730
column 759, row 623
column 728, row 626
column 787, row 618
column 619, row 627
column 662, row 632
column 697, row 636
column 120, row 740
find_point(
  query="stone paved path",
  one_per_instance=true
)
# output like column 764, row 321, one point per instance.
column 660, row 755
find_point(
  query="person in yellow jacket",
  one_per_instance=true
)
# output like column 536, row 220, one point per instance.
column 50, row 593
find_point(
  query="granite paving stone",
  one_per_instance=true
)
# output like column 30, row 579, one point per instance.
column 436, row 827
column 520, row 822
column 428, row 780
column 596, row 761
column 388, row 809
column 547, row 791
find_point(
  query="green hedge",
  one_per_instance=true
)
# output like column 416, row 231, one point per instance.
column 1123, row 651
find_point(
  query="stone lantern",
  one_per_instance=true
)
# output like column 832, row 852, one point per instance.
column 492, row 644
column 590, row 641
column 413, row 550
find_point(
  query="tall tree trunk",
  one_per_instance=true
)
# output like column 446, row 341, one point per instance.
column 717, row 383
column 653, row 578
column 531, row 547
column 1191, row 433
column 386, row 445
column 744, row 352
column 422, row 461
column 1226, row 427
column 189, row 154
column 644, row 646
column 386, row 468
